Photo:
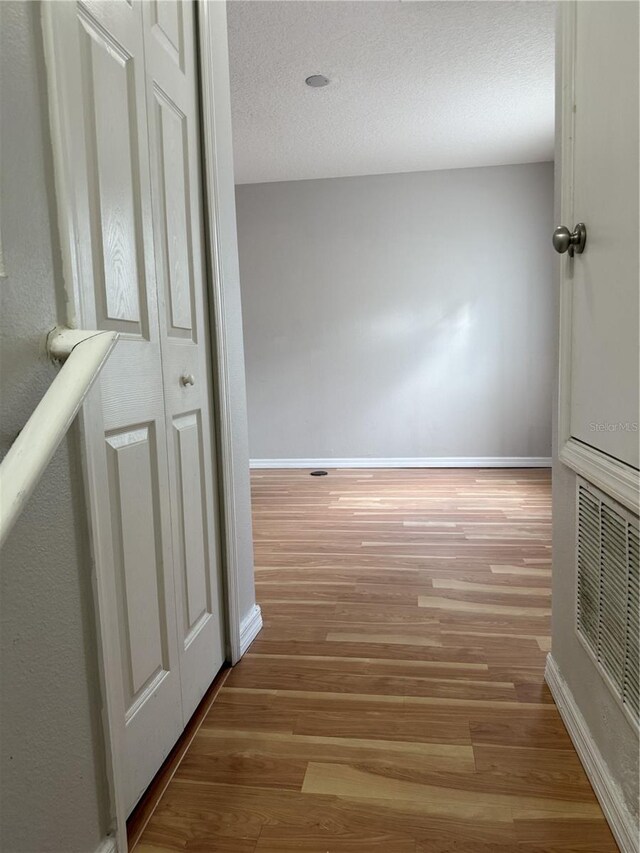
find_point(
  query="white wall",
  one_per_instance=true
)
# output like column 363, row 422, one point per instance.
column 53, row 792
column 613, row 734
column 399, row 316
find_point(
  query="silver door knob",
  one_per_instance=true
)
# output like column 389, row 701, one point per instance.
column 570, row 241
column 188, row 379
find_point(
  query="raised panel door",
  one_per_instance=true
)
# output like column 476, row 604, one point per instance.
column 176, row 181
column 99, row 57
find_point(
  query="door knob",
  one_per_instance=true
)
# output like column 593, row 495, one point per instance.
column 188, row 379
column 570, row 241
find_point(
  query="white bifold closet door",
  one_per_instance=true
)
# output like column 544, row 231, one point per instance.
column 130, row 173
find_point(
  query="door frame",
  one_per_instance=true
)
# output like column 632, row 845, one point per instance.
column 225, row 321
column 618, row 480
column 225, row 331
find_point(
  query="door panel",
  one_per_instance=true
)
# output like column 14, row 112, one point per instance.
column 173, row 225
column 193, row 557
column 108, row 70
column 172, row 87
column 132, row 463
column 604, row 365
column 106, row 136
column 167, row 26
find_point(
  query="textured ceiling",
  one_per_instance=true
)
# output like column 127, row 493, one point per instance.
column 414, row 86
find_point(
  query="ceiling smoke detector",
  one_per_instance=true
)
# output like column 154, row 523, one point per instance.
column 317, row 81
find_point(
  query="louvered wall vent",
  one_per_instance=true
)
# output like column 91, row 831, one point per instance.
column 607, row 608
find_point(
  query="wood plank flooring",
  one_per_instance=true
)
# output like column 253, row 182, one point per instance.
column 394, row 700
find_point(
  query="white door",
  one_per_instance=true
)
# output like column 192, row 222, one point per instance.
column 600, row 286
column 604, row 397
column 129, row 190
column 172, row 98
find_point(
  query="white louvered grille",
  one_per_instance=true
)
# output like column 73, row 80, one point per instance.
column 588, row 566
column 631, row 679
column 607, row 594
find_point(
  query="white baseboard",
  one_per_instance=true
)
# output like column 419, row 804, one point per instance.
column 609, row 795
column 407, row 462
column 108, row 845
column 250, row 628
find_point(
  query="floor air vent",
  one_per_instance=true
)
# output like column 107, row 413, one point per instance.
column 608, row 580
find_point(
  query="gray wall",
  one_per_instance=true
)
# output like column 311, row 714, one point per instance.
column 52, row 785
column 399, row 316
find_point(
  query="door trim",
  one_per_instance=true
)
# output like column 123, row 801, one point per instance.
column 615, row 478
column 226, row 321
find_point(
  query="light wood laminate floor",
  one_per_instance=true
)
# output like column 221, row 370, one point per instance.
column 394, row 700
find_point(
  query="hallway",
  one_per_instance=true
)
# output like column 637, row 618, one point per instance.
column 394, row 700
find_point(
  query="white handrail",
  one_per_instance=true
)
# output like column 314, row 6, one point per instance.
column 83, row 353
